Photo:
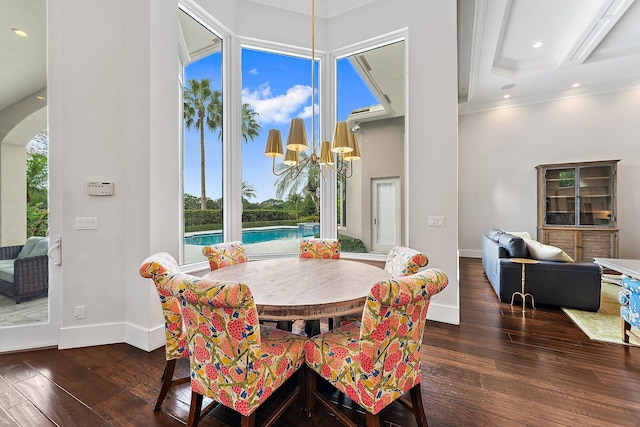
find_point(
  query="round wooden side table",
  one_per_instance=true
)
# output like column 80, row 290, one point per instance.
column 523, row 295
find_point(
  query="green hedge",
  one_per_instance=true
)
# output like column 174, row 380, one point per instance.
column 195, row 218
column 256, row 215
column 351, row 244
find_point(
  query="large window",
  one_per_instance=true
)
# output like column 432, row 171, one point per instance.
column 201, row 57
column 371, row 99
column 278, row 208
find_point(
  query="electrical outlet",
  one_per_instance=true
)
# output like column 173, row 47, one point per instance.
column 79, row 312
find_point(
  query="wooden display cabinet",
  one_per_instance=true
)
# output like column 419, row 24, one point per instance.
column 577, row 208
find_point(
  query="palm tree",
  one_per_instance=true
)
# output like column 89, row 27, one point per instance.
column 294, row 200
column 250, row 126
column 202, row 106
column 248, row 191
column 307, row 182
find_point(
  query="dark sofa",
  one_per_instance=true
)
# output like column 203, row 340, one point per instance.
column 554, row 283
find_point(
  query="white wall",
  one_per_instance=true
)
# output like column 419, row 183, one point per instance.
column 114, row 116
column 431, row 156
column 499, row 150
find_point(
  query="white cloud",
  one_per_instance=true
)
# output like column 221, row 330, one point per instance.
column 280, row 108
column 253, row 71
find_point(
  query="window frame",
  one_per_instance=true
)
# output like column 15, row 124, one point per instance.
column 219, row 30
column 353, row 49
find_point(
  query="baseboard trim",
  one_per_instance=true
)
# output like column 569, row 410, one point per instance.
column 145, row 339
column 112, row 333
column 444, row 313
column 85, row 336
column 470, row 253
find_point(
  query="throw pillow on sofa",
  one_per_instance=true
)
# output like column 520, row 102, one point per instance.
column 543, row 252
column 523, row 234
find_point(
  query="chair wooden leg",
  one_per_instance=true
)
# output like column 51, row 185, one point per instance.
column 418, row 408
column 372, row 420
column 310, row 388
column 194, row 412
column 312, row 327
column 167, row 377
column 249, row 421
column 285, row 325
column 626, row 328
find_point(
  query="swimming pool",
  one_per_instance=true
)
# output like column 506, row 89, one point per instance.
column 258, row 235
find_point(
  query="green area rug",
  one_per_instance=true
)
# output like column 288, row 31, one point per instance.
column 605, row 324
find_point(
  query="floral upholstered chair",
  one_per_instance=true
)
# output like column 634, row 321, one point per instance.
column 629, row 298
column 161, row 267
column 320, row 248
column 403, row 261
column 225, row 254
column 234, row 360
column 376, row 361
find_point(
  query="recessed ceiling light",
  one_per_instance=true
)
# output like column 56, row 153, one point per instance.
column 40, row 97
column 506, row 96
column 19, row 32
column 538, row 44
column 575, row 85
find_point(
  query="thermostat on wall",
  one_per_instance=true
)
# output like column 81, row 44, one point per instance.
column 100, row 188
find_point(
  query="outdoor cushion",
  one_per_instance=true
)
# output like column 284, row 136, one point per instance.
column 41, row 248
column 6, row 270
column 28, row 246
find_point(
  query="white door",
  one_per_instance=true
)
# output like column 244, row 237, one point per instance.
column 385, row 214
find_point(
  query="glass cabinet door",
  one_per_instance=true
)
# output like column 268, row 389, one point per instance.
column 596, row 195
column 589, row 203
column 560, row 196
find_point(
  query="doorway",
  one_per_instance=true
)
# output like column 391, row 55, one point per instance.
column 385, row 213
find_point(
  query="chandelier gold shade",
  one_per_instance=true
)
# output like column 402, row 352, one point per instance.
column 274, row 144
column 341, row 139
column 326, row 156
column 344, row 144
column 297, row 139
column 292, row 158
column 355, row 153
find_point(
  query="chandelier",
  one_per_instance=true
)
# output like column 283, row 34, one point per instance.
column 345, row 144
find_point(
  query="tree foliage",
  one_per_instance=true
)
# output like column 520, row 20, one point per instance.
column 37, row 185
column 307, row 182
column 203, row 107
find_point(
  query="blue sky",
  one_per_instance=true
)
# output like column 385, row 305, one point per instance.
column 278, row 87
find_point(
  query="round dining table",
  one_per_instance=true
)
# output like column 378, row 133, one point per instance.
column 303, row 288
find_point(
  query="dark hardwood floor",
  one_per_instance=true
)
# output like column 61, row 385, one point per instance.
column 497, row 368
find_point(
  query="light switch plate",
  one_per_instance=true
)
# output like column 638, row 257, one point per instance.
column 86, row 223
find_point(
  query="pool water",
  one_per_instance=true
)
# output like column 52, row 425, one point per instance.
column 257, row 235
